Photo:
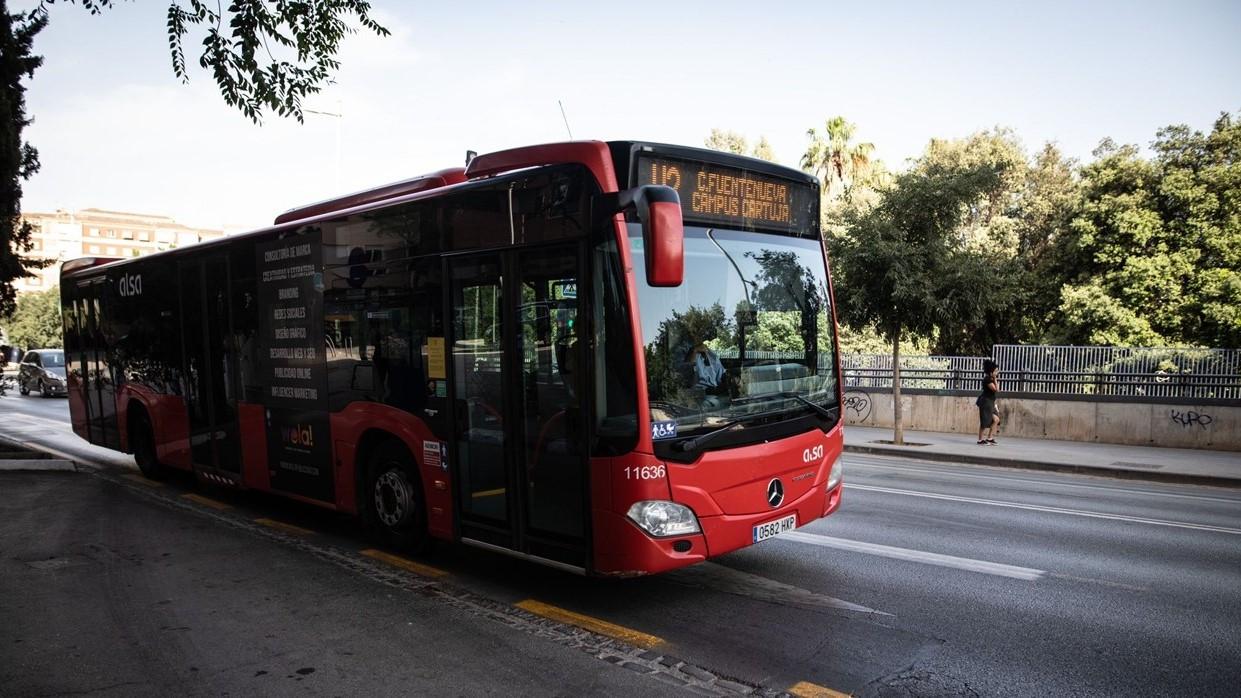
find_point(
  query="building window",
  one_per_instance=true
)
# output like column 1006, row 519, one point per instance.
column 127, row 235
column 111, row 251
column 144, row 235
column 94, row 249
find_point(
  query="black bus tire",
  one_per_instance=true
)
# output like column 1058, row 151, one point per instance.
column 395, row 507
column 142, row 438
column 22, row 387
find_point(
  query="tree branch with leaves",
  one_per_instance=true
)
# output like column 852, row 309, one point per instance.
column 264, row 55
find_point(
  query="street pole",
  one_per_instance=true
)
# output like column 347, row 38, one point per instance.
column 339, row 115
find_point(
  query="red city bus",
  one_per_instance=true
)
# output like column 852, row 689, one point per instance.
column 614, row 358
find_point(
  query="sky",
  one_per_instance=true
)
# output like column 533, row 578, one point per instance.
column 116, row 130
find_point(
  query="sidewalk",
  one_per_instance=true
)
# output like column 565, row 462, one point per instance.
column 1221, row 468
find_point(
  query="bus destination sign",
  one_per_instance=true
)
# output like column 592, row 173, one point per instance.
column 731, row 196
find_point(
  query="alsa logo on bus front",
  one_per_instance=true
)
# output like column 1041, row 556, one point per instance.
column 130, row 285
column 299, row 435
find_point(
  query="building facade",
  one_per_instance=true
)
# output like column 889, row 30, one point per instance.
column 92, row 232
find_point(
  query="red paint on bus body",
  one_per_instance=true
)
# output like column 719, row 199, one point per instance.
column 593, row 154
column 351, row 426
column 426, row 182
column 170, row 423
column 252, row 433
column 77, row 403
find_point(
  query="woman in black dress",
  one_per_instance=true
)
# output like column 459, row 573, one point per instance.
column 988, row 415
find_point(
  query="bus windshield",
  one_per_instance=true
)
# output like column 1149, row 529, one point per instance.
column 748, row 334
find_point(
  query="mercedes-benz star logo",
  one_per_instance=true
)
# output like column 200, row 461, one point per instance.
column 775, row 492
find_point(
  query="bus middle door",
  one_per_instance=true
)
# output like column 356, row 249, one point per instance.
column 518, row 446
column 210, row 361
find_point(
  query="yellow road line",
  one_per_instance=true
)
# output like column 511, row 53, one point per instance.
column 286, row 527
column 805, row 689
column 405, row 563
column 595, row 625
column 488, row 493
column 206, row 501
column 142, row 480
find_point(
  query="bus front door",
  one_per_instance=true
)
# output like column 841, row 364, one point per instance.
column 210, row 361
column 518, row 448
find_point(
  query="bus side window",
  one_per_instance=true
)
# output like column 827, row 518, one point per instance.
column 552, row 205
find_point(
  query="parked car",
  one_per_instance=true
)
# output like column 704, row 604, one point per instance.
column 42, row 370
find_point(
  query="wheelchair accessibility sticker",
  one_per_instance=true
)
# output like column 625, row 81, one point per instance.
column 663, row 430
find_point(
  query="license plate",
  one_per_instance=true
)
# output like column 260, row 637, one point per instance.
column 771, row 529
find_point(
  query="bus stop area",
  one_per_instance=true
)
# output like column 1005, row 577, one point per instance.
column 104, row 591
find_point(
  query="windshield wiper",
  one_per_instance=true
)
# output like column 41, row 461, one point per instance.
column 691, row 444
column 829, row 413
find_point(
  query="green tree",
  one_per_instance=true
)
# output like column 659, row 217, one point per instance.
column 733, row 142
column 904, row 268
column 18, row 160
column 35, row 322
column 1011, row 231
column 1154, row 256
column 836, row 159
column 264, row 55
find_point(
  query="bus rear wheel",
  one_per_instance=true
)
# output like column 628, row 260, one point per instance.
column 142, row 437
column 395, row 508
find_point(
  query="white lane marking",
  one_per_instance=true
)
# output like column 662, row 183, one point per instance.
column 1051, row 510
column 711, row 575
column 855, row 461
column 961, row 563
column 35, row 419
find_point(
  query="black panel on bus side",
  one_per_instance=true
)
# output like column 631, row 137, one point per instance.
column 146, row 328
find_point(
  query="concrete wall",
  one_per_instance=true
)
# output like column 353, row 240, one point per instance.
column 1178, row 426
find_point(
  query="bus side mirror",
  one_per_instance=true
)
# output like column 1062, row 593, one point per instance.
column 663, row 232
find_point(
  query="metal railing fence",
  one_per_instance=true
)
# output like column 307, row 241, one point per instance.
column 1145, row 373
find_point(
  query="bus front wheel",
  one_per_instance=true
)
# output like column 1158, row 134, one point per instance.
column 395, row 506
column 143, row 439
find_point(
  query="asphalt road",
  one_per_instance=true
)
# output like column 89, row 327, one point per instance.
column 933, row 579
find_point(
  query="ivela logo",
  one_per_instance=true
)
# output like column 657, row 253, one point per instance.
column 299, row 435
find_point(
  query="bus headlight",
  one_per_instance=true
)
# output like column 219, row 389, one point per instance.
column 663, row 519
column 837, row 472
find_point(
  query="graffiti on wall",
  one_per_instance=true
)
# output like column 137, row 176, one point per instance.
column 857, row 403
column 1190, row 418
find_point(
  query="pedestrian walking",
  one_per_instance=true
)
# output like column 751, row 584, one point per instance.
column 988, row 413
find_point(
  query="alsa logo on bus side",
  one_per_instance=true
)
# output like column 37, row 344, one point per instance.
column 130, row 285
column 299, row 435
column 812, row 455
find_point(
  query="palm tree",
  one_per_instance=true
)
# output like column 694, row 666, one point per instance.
column 835, row 159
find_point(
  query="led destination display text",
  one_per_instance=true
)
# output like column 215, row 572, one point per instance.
column 731, row 196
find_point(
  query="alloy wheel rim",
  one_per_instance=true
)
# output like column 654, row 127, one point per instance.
column 392, row 498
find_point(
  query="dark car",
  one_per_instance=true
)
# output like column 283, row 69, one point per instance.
column 42, row 370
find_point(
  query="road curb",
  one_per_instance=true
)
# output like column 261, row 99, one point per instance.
column 1012, row 463
column 20, row 456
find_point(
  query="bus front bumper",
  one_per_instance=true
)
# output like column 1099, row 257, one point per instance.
column 630, row 552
